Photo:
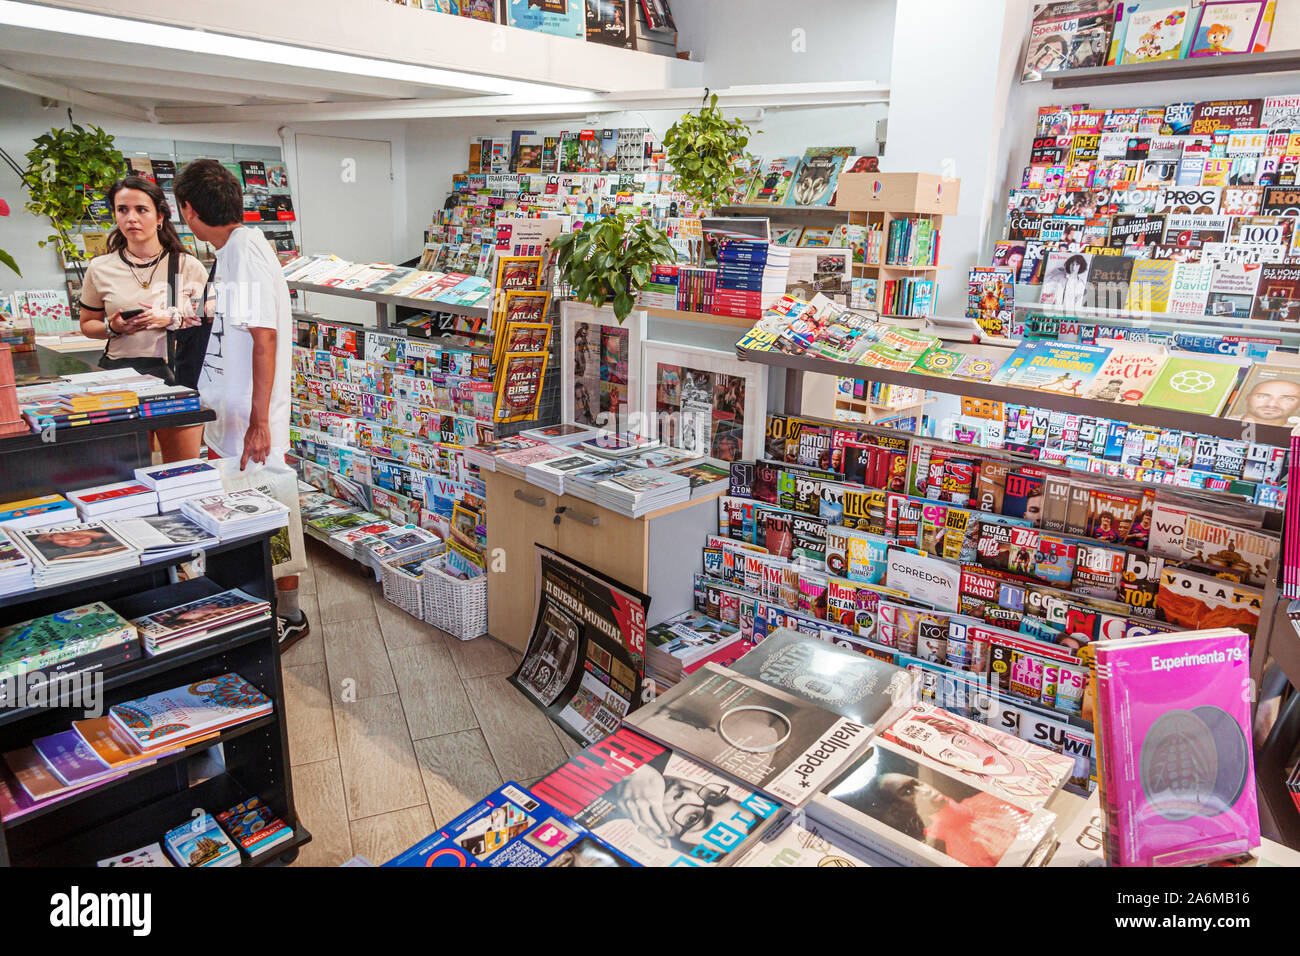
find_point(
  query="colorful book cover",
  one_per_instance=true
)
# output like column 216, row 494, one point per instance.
column 1125, row 376
column 1175, row 733
column 773, row 181
column 1063, row 369
column 1149, row 285
column 1147, row 31
column 814, row 183
column 1224, row 27
column 1196, row 386
column 156, row 720
column 1190, row 288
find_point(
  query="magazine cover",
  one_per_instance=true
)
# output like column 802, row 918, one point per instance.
column 611, row 22
column 814, row 183
column 852, row 685
column 585, row 661
column 562, row 18
column 918, row 814
column 1270, row 395
column 614, row 787
column 1068, row 36
column 1016, row 770
column 1175, row 733
column 751, row 731
column 1064, row 369
column 511, row 827
column 796, row 840
column 1125, row 376
column 1192, row 385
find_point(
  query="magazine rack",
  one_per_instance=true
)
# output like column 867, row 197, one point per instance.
column 134, row 810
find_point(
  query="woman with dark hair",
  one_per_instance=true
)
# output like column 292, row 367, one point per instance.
column 127, row 298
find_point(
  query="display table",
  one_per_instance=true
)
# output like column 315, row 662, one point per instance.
column 645, row 553
column 81, row 457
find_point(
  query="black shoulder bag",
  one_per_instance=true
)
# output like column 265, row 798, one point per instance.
column 186, row 348
column 148, row 364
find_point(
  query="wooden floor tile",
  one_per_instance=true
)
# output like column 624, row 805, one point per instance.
column 382, row 837
column 481, row 657
column 358, row 660
column 518, row 734
column 401, row 629
column 379, row 767
column 567, row 743
column 318, row 796
column 432, row 694
column 342, row 594
column 308, row 714
column 458, row 771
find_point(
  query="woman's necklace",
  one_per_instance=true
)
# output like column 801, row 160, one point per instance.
column 144, row 283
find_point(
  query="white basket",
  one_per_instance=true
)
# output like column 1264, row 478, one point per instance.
column 401, row 588
column 456, row 606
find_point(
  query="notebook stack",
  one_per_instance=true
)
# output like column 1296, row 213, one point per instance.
column 15, row 568
column 39, row 512
column 751, row 276
column 234, row 514
column 682, row 644
column 183, row 715
column 180, row 480
column 199, row 620
column 640, row 492
column 71, row 552
column 122, row 499
column 159, row 537
column 550, row 474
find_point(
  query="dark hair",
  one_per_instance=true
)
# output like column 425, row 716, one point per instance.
column 891, row 809
column 1076, row 258
column 167, row 235
column 212, row 192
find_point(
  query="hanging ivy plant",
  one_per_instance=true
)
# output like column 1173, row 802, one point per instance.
column 610, row 261
column 67, row 170
column 703, row 149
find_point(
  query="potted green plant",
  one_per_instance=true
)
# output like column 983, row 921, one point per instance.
column 703, row 150
column 67, row 169
column 609, row 261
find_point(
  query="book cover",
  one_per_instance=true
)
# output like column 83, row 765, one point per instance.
column 1175, row 732
column 814, row 183
column 1190, row 288
column 1225, row 27
column 710, row 819
column 1270, row 395
column 1068, row 35
column 1150, row 285
column 1277, row 297
column 1125, row 376
column 772, row 183
column 1192, row 385
column 753, row 732
column 1064, row 369
column 154, row 721
column 1146, row 32
column 200, row 843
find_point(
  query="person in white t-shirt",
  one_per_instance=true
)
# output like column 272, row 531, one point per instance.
column 249, row 359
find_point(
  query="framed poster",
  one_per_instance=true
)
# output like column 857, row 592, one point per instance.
column 600, row 370
column 705, row 401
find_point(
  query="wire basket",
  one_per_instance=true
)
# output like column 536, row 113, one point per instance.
column 456, row 606
column 401, row 587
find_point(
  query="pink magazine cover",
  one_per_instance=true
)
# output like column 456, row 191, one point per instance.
column 1177, row 740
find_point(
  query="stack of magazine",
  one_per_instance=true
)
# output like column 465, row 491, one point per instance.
column 15, row 568
column 71, row 552
column 551, row 474
column 121, row 499
column 198, row 620
column 163, row 536
column 235, row 514
column 639, row 492
column 186, row 714
column 683, row 644
column 179, row 480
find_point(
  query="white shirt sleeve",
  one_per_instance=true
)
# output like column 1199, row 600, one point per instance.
column 247, row 293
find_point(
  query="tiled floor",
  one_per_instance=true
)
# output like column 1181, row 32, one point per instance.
column 394, row 726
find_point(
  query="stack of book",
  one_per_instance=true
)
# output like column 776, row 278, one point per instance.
column 706, row 476
column 185, row 714
column 550, row 474
column 86, row 638
column 200, row 842
column 177, row 481
column 71, row 552
column 163, row 399
column 199, row 620
column 751, row 276
column 639, row 492
column 159, row 537
column 515, row 462
column 253, row 827
column 682, row 644
column 15, row 568
column 106, row 404
column 564, row 433
column 45, row 510
column 49, row 769
column 121, row 499
column 235, row 514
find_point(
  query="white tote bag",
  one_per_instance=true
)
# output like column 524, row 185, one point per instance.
column 279, row 481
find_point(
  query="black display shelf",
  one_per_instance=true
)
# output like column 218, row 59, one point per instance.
column 109, row 431
column 1276, row 435
column 1246, row 64
column 148, row 823
column 90, row 793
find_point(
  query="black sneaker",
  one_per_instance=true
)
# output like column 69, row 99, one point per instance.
column 291, row 632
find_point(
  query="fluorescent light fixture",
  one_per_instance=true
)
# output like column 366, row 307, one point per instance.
column 96, row 26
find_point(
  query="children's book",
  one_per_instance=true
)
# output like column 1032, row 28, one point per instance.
column 1196, row 386
column 1064, row 369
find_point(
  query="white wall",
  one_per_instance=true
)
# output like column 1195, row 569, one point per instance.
column 745, row 42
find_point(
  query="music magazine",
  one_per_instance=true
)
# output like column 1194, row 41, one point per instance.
column 787, row 747
column 706, row 819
